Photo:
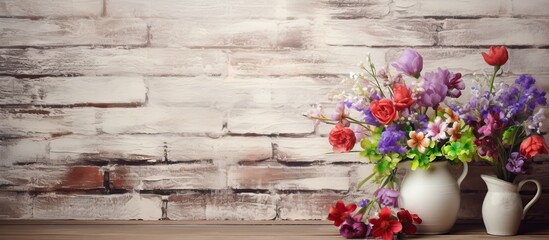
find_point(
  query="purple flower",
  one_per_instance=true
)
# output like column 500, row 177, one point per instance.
column 387, row 197
column 434, row 87
column 516, row 163
column 391, row 141
column 533, row 97
column 369, row 118
column 359, row 132
column 341, row 114
column 410, row 62
column 525, row 81
column 455, row 85
column 353, row 227
column 363, row 202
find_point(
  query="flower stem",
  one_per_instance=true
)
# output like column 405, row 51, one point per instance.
column 496, row 69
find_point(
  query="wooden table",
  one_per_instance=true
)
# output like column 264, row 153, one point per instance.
column 200, row 230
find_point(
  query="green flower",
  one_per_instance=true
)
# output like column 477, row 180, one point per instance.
column 423, row 160
column 508, row 135
column 461, row 150
column 387, row 164
column 370, row 151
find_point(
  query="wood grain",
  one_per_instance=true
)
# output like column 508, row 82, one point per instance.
column 263, row 230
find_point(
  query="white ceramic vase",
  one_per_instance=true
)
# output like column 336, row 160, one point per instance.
column 434, row 195
column 502, row 207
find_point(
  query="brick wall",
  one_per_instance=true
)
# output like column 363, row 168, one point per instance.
column 139, row 109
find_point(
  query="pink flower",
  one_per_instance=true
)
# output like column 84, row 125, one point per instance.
column 437, row 130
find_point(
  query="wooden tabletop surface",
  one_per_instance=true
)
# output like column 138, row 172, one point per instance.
column 201, row 230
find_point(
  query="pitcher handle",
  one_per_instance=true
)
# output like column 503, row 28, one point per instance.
column 463, row 174
column 536, row 197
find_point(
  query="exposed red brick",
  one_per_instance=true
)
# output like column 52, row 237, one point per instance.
column 82, row 178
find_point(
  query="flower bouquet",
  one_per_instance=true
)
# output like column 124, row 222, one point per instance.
column 506, row 120
column 396, row 119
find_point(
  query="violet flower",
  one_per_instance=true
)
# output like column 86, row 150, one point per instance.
column 363, row 202
column 369, row 118
column 525, row 81
column 516, row 163
column 353, row 227
column 391, row 141
column 410, row 62
column 455, row 85
column 387, row 197
column 434, row 88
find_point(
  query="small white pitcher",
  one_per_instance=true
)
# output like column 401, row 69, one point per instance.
column 502, row 207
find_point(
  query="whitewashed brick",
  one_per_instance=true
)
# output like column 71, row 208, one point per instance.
column 231, row 33
column 279, row 9
column 15, row 205
column 50, row 178
column 529, row 8
column 95, row 207
column 311, row 150
column 73, row 149
column 244, row 206
column 367, row 32
column 320, row 61
column 312, row 206
column 20, row 151
column 182, row 91
column 168, row 177
column 462, row 8
column 268, row 121
column 280, row 92
column 112, row 61
column 247, row 9
column 25, row 32
column 351, row 9
column 24, row 122
column 73, row 91
column 51, row 8
column 531, row 61
column 222, row 206
column 226, row 150
column 162, row 120
column 494, row 31
column 289, row 178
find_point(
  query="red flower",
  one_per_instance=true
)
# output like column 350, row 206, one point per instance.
column 533, row 145
column 340, row 212
column 383, row 110
column 402, row 96
column 497, row 56
column 407, row 220
column 342, row 138
column 384, row 226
